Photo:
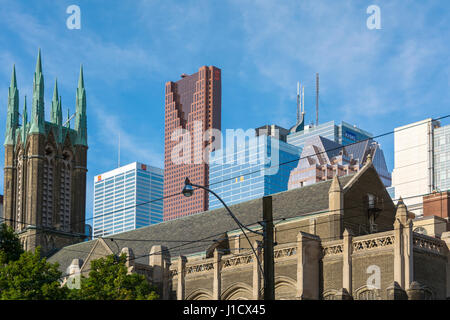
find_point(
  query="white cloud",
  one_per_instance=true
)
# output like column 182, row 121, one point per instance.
column 371, row 73
column 134, row 146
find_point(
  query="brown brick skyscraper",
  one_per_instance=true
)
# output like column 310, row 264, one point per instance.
column 192, row 101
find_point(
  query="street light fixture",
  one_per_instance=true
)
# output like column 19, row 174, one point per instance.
column 267, row 272
column 188, row 190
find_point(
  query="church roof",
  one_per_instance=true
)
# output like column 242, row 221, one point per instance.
column 180, row 235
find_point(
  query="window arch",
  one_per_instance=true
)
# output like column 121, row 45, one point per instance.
column 20, row 183
column 365, row 293
column 238, row 291
column 329, row 295
column 48, row 187
column 284, row 288
column 200, row 294
column 65, row 190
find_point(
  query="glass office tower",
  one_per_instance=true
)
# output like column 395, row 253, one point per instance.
column 127, row 198
column 442, row 157
column 343, row 134
column 250, row 170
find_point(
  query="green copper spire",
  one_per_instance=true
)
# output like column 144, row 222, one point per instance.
column 13, row 78
column 12, row 118
column 38, row 63
column 68, row 118
column 59, row 112
column 37, row 111
column 56, row 116
column 80, row 117
column 55, row 90
column 81, row 78
column 24, row 121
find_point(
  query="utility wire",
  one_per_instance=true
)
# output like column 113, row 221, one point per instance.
column 253, row 224
column 143, row 203
column 232, row 230
column 253, row 172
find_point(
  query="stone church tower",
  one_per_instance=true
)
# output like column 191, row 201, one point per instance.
column 45, row 169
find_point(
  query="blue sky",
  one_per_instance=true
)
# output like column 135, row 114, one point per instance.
column 376, row 79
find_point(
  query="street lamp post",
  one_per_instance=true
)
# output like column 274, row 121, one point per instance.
column 267, row 234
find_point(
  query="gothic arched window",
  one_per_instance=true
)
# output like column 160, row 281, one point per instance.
column 65, row 190
column 20, row 218
column 48, row 187
column 366, row 293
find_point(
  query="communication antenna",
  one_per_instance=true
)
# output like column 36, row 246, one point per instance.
column 298, row 101
column 317, row 99
column 303, row 100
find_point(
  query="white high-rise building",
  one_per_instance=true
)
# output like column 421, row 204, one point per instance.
column 127, row 198
column 420, row 148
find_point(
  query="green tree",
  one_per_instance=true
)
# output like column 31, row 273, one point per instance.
column 10, row 246
column 31, row 278
column 109, row 280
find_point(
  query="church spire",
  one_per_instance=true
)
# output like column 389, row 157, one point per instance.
column 56, row 116
column 38, row 63
column 81, row 78
column 37, row 111
column 80, row 117
column 13, row 78
column 55, row 90
column 12, row 118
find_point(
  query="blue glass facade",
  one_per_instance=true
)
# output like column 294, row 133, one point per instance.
column 343, row 134
column 391, row 191
column 442, row 158
column 250, row 170
column 122, row 199
column 350, row 134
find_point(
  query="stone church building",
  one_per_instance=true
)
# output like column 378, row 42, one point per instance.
column 45, row 168
column 337, row 239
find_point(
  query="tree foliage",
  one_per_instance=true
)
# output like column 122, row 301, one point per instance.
column 27, row 276
column 109, row 280
column 10, row 246
column 31, row 278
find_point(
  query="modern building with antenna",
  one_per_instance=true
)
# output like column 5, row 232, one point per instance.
column 330, row 148
column 343, row 133
column 127, row 198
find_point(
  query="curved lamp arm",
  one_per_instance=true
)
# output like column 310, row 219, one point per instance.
column 226, row 207
column 241, row 226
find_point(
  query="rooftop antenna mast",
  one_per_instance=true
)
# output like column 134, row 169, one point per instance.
column 298, row 101
column 303, row 100
column 317, row 99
